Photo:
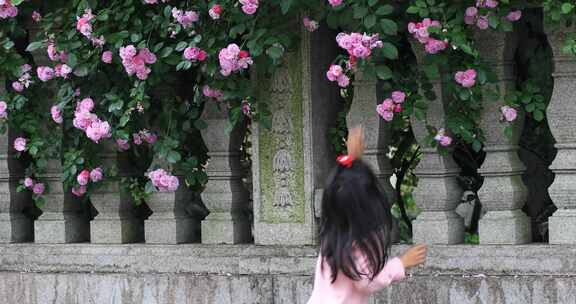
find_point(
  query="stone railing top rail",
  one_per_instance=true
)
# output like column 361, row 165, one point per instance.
column 250, row 259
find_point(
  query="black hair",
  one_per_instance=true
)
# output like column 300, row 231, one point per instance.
column 355, row 216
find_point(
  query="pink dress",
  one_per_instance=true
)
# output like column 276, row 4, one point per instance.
column 347, row 291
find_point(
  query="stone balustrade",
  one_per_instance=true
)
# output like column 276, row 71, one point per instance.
column 291, row 159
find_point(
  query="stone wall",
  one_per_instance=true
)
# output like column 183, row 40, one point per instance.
column 246, row 274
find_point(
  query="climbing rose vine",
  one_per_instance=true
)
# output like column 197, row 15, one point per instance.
column 133, row 76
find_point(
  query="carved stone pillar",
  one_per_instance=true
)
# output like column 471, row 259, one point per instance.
column 438, row 192
column 15, row 226
column 171, row 222
column 560, row 114
column 116, row 222
column 377, row 131
column 225, row 195
column 503, row 193
column 292, row 158
column 64, row 219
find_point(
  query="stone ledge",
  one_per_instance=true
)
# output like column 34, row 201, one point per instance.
column 265, row 260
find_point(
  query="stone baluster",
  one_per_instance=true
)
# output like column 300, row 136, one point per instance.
column 503, row 193
column 171, row 222
column 225, row 195
column 116, row 221
column 291, row 159
column 15, row 225
column 64, row 219
column 438, row 192
column 377, row 131
column 562, row 121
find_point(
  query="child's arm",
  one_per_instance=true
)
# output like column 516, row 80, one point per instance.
column 394, row 270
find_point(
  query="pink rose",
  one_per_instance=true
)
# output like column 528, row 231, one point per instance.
column 38, row 188
column 434, row 46
column 98, row 130
column 123, row 144
column 398, row 96
column 343, row 81
column 28, row 182
column 510, row 114
column 96, row 175
column 443, row 139
column 309, row 24
column 482, row 22
column 36, row 16
column 45, row 73
column 17, row 86
column 249, row 7
column 83, row 178
column 137, row 139
column 334, row 72
column 107, row 57
column 466, row 78
column 62, row 70
column 194, row 54
column 20, row 144
column 215, row 12
column 471, row 11
column 149, row 137
column 335, row 3
column 79, row 191
column 3, row 109
column 397, row 108
column 185, row 18
column 56, row 114
column 491, row 3
column 514, row 16
column 86, row 105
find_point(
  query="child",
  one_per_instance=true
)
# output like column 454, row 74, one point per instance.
column 355, row 234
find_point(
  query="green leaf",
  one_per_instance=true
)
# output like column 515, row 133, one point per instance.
column 413, row 10
column 464, row 94
column 370, row 21
column 476, row 145
column 237, row 29
column 116, row 106
column 34, row 46
column 72, row 60
column 173, row 157
column 390, row 51
column 124, row 120
column 567, row 8
column 530, row 107
column 384, row 72
column 81, row 71
column 285, row 6
column 167, row 51
column 360, row 12
column 184, row 65
column 388, row 26
column 493, row 21
column 275, row 52
column 508, row 132
column 135, row 37
column 538, row 115
column 372, row 2
column 384, row 10
column 16, row 2
column 181, row 46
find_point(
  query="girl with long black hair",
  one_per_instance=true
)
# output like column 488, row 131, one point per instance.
column 355, row 234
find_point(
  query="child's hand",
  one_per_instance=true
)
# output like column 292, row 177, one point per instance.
column 355, row 142
column 414, row 256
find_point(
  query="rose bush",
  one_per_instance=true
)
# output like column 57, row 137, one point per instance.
column 134, row 74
